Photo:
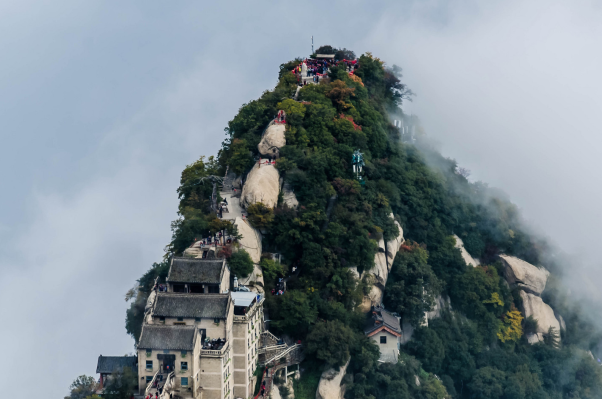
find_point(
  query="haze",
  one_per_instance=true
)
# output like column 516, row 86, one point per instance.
column 103, row 104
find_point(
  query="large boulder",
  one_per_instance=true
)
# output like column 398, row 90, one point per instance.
column 465, row 255
column 273, row 139
column 542, row 312
column 523, row 274
column 330, row 383
column 262, row 185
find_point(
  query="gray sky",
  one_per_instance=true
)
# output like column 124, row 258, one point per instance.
column 104, row 103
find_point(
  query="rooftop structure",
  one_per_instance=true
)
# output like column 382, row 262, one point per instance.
column 109, row 365
column 167, row 337
column 211, row 306
column 186, row 270
column 198, row 276
column 115, row 364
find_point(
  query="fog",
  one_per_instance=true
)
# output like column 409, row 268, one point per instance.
column 104, row 104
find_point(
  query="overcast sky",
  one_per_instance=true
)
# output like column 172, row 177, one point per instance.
column 104, row 103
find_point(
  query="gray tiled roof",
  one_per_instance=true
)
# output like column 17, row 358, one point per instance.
column 192, row 270
column 381, row 317
column 192, row 305
column 114, row 364
column 167, row 337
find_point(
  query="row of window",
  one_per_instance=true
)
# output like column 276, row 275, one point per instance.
column 180, row 319
column 183, row 365
column 183, row 380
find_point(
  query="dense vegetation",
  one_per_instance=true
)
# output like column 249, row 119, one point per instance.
column 476, row 351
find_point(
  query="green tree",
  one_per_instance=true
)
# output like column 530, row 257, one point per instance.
column 295, row 313
column 331, row 342
column 82, row 387
column 240, row 263
column 121, row 385
column 271, row 269
column 260, row 216
column 412, row 285
column 428, row 348
column 487, row 383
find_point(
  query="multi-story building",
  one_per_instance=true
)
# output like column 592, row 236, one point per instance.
column 204, row 334
column 247, row 328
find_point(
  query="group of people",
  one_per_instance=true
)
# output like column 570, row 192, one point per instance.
column 280, row 287
column 216, row 239
column 215, row 343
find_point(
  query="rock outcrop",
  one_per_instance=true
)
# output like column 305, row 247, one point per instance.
column 542, row 312
column 289, row 197
column 465, row 255
column 383, row 261
column 262, row 185
column 251, row 242
column 523, row 274
column 532, row 281
column 441, row 303
column 330, row 384
column 272, row 140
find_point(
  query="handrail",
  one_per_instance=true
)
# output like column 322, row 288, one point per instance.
column 282, row 354
column 150, row 384
column 268, row 333
column 270, row 348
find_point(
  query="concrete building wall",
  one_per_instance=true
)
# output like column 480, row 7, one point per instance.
column 224, row 285
column 246, row 334
column 392, row 342
column 151, row 355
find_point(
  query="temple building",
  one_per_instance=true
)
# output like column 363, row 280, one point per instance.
column 384, row 329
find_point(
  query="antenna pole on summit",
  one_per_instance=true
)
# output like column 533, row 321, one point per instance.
column 312, row 44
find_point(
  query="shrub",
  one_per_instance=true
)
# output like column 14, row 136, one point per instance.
column 241, row 264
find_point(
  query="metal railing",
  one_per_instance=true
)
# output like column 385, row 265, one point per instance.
column 283, row 353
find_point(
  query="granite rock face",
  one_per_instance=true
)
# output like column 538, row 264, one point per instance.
column 383, row 262
column 470, row 261
column 273, row 139
column 262, row 185
column 542, row 312
column 523, row 274
column 330, row 383
column 289, row 197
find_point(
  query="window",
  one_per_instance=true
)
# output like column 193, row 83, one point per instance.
column 149, row 364
column 197, row 319
column 180, row 319
column 184, row 365
column 216, row 321
column 383, row 339
column 184, row 381
column 162, row 319
column 183, row 353
column 149, row 378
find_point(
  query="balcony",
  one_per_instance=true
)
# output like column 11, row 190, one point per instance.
column 250, row 310
column 214, row 350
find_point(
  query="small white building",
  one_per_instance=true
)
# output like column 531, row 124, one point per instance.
column 385, row 330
